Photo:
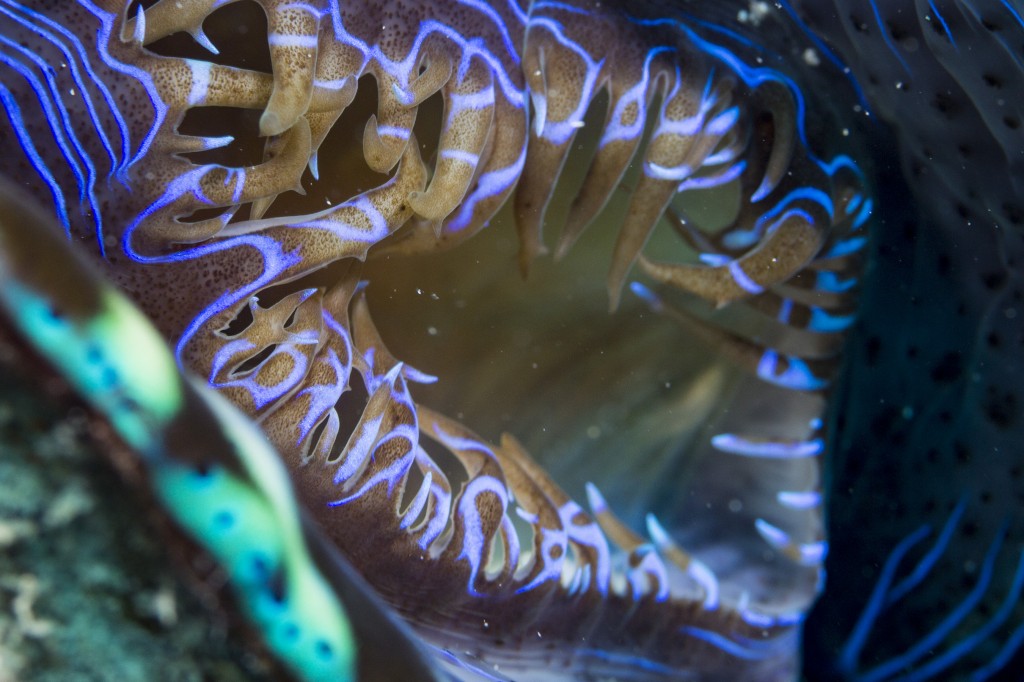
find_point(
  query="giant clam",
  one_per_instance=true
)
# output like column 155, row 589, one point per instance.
column 265, row 295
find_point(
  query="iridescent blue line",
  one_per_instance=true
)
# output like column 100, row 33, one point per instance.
column 56, row 111
column 888, row 38
column 565, row 129
column 1013, row 12
column 632, row 662
column 830, row 55
column 1000, row 660
column 496, row 19
column 942, row 22
column 18, row 123
column 1012, row 50
column 727, row 645
column 929, row 560
column 847, row 661
column 968, row 644
column 275, row 260
column 139, row 74
column 322, row 397
column 398, row 69
column 932, row 639
column 58, row 122
column 490, row 184
column 84, row 88
column 752, row 76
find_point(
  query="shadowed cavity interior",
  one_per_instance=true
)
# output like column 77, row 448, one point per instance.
column 627, row 400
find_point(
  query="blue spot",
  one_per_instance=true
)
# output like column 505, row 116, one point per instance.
column 260, row 566
column 324, row 651
column 223, row 520
column 202, row 475
column 93, row 354
column 110, row 378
